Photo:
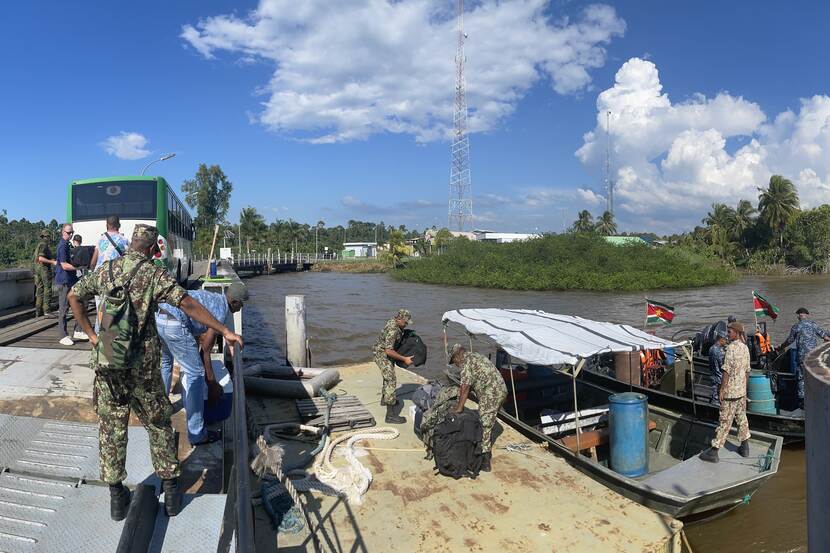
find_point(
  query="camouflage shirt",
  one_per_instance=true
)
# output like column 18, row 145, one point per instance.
column 387, row 338
column 805, row 334
column 480, row 374
column 42, row 250
column 149, row 287
column 736, row 365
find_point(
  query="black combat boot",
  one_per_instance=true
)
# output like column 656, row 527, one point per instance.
column 119, row 501
column 392, row 414
column 743, row 451
column 172, row 496
column 486, row 459
column 710, row 455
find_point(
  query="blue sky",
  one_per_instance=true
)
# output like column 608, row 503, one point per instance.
column 744, row 95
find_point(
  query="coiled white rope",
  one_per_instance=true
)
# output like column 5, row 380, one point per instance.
column 354, row 479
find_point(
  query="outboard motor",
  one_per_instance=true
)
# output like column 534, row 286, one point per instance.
column 706, row 337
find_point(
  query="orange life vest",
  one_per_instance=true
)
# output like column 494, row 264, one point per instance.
column 764, row 342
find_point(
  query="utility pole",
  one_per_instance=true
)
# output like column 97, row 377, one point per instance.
column 609, row 184
column 460, row 214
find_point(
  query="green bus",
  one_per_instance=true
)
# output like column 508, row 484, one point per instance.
column 136, row 200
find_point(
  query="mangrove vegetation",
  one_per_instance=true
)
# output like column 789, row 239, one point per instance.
column 579, row 261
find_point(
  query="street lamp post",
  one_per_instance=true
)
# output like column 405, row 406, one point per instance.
column 165, row 157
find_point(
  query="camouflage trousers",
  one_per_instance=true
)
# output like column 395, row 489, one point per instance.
column 43, row 288
column 390, row 382
column 143, row 393
column 489, row 404
column 731, row 409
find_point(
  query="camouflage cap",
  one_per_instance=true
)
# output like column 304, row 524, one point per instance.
column 146, row 232
column 45, row 233
column 405, row 315
column 453, row 350
column 237, row 292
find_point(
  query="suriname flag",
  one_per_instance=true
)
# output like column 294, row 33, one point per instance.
column 657, row 312
column 764, row 308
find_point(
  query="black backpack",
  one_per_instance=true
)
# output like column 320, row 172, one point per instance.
column 81, row 256
column 456, row 445
column 411, row 344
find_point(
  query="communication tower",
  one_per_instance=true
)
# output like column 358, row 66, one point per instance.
column 461, row 201
column 609, row 184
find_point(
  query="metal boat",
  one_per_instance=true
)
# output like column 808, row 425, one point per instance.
column 553, row 349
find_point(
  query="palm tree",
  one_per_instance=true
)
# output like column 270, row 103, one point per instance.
column 743, row 221
column 721, row 216
column 584, row 222
column 606, row 225
column 778, row 204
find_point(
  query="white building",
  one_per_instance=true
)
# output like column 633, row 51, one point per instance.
column 502, row 237
column 360, row 249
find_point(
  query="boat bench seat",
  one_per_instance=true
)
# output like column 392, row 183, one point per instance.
column 593, row 438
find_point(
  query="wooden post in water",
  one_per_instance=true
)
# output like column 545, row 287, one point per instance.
column 295, row 337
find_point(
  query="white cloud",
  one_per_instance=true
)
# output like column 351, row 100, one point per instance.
column 589, row 196
column 127, row 145
column 674, row 159
column 347, row 70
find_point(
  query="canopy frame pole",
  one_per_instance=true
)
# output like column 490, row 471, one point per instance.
column 446, row 351
column 574, row 372
column 687, row 349
column 471, row 341
column 512, row 385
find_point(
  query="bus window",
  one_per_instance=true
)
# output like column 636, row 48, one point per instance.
column 127, row 199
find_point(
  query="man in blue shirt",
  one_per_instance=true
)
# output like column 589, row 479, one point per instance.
column 181, row 338
column 716, row 354
column 65, row 278
column 805, row 333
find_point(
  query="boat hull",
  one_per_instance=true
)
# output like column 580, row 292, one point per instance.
column 789, row 428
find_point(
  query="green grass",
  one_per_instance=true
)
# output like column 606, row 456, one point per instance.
column 566, row 262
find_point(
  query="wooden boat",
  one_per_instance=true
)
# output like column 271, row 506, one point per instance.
column 677, row 483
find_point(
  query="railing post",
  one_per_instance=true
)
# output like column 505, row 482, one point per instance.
column 817, row 446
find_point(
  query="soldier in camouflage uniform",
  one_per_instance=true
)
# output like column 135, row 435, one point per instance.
column 805, row 334
column 732, row 394
column 384, row 355
column 42, row 269
column 139, row 386
column 481, row 377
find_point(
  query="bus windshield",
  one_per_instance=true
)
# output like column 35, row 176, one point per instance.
column 127, row 199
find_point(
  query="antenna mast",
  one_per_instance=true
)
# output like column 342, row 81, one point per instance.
column 460, row 214
column 609, row 184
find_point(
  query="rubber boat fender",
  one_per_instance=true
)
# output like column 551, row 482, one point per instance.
column 294, row 389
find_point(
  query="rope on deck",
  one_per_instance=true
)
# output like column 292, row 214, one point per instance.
column 352, row 480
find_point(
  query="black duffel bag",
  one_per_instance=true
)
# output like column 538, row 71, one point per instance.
column 456, row 445
column 411, row 344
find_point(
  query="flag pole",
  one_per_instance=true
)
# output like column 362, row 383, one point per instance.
column 645, row 321
column 754, row 313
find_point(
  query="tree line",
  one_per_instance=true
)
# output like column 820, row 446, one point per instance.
column 771, row 235
column 209, row 192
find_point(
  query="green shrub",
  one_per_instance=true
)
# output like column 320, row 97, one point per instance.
column 566, row 262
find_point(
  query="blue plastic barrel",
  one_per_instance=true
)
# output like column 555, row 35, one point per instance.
column 761, row 398
column 212, row 268
column 628, row 426
column 669, row 355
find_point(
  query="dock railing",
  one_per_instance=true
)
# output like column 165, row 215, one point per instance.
column 241, row 470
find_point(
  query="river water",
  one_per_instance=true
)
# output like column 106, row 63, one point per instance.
column 346, row 311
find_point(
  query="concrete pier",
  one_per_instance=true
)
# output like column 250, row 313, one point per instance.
column 295, row 336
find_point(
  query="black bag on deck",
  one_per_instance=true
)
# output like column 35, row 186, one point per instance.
column 81, row 256
column 456, row 445
column 411, row 344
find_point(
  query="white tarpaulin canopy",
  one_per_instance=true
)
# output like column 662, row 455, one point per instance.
column 543, row 338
